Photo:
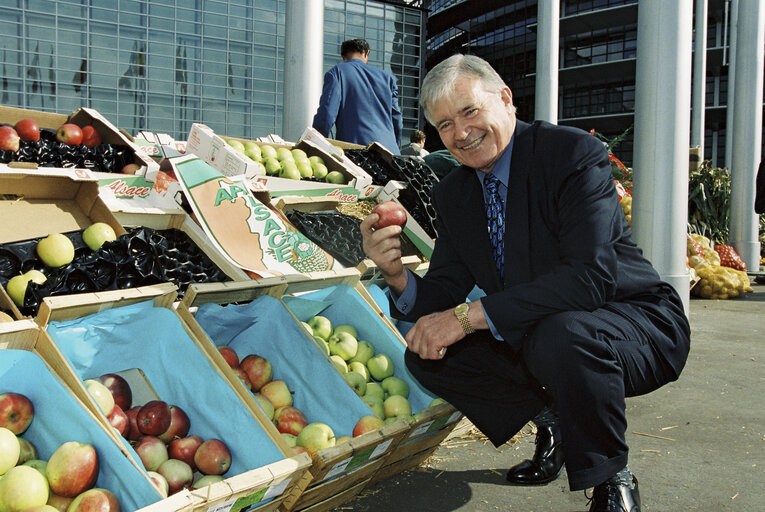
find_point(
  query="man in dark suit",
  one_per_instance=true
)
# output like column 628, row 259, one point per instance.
column 360, row 100
column 574, row 318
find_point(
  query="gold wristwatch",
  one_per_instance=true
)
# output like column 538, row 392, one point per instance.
column 461, row 312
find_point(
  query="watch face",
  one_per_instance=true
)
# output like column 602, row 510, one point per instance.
column 461, row 309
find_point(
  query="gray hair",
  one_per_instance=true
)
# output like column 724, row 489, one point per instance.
column 439, row 82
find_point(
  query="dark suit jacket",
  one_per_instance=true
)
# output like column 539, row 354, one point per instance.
column 567, row 242
column 362, row 102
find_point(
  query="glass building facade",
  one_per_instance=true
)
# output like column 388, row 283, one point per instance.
column 164, row 64
column 598, row 51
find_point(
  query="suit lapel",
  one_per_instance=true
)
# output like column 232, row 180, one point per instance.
column 517, row 263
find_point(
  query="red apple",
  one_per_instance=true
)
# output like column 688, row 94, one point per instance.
column 296, row 450
column 16, row 412
column 132, row 433
column 277, row 393
column 154, row 417
column 123, row 396
column 178, row 474
column 243, row 377
column 130, row 169
column 61, row 503
column 161, row 483
column 258, row 370
column 230, row 355
column 213, row 457
column 289, row 420
column 391, row 213
column 28, row 129
column 95, row 500
column 152, row 452
column 367, row 424
column 69, row 133
column 9, row 139
column 185, row 449
column 119, row 420
column 72, row 469
column 27, row 451
column 90, row 136
column 179, row 425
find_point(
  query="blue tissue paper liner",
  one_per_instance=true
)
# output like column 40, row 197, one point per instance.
column 60, row 418
column 264, row 327
column 154, row 340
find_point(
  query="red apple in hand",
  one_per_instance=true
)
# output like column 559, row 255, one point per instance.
column 16, row 412
column 185, row 449
column 154, row 417
column 289, row 420
column 119, row 388
column 90, row 136
column 179, row 425
column 69, row 133
column 9, row 139
column 391, row 213
column 213, row 457
column 72, row 469
column 119, row 420
column 28, row 129
column 258, row 369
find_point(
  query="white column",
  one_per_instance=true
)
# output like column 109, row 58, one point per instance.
column 732, row 37
column 303, row 65
column 662, row 121
column 546, row 102
column 699, row 77
column 747, row 130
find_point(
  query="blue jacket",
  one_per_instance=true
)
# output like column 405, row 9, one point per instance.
column 362, row 102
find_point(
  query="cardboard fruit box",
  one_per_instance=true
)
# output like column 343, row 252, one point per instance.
column 137, row 331
column 353, row 303
column 83, row 117
column 26, row 367
column 255, row 321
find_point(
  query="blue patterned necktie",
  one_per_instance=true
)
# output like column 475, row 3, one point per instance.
column 495, row 211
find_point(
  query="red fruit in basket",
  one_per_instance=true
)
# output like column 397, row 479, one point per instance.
column 119, row 388
column 154, row 417
column 178, row 474
column 277, row 393
column 28, row 129
column 213, row 457
column 152, row 451
column 258, row 369
column 95, row 500
column 130, row 169
column 72, row 469
column 179, row 425
column 9, row 139
column 230, row 355
column 90, row 136
column 119, row 420
column 391, row 213
column 289, row 420
column 367, row 424
column 243, row 377
column 16, row 412
column 185, row 449
column 69, row 133
column 132, row 433
column 27, row 451
column 60, row 503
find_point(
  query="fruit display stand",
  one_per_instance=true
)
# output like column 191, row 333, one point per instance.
column 137, row 330
column 83, row 117
column 352, row 302
column 257, row 321
column 60, row 417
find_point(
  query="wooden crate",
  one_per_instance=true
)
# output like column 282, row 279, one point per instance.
column 277, row 481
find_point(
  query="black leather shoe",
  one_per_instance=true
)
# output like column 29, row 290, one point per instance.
column 546, row 464
column 613, row 496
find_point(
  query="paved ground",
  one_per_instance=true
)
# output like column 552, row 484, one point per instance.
column 709, row 453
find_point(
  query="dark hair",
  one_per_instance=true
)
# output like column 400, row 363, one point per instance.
column 354, row 46
column 417, row 136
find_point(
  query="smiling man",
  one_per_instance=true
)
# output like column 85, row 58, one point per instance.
column 574, row 318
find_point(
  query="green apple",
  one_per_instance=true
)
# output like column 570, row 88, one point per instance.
column 323, row 344
column 206, row 480
column 251, row 148
column 306, row 171
column 342, row 439
column 356, row 381
column 316, row 436
column 55, row 250
column 339, row 363
column 272, row 165
column 307, row 327
column 346, row 328
column 290, row 439
column 267, row 151
column 322, row 327
column 237, row 145
column 96, row 234
column 299, row 154
column 380, row 367
column 9, row 450
column 375, row 403
column 335, row 177
column 364, row 352
column 258, row 168
column 395, row 386
column 316, row 159
column 283, row 154
column 397, row 405
column 101, row 395
column 22, row 488
column 376, row 390
column 38, row 464
column 17, row 285
column 253, row 155
column 265, row 404
column 359, row 368
column 437, row 401
column 320, row 171
column 390, row 420
column 289, row 171
column 343, row 344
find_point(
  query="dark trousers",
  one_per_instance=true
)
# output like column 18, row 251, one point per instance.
column 581, row 363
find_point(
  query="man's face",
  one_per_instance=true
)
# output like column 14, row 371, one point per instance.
column 475, row 125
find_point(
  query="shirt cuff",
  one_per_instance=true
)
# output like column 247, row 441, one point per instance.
column 492, row 328
column 405, row 301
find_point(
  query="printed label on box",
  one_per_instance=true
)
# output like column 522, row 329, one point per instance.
column 128, row 193
column 276, row 490
column 338, row 468
column 246, row 501
column 222, row 507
